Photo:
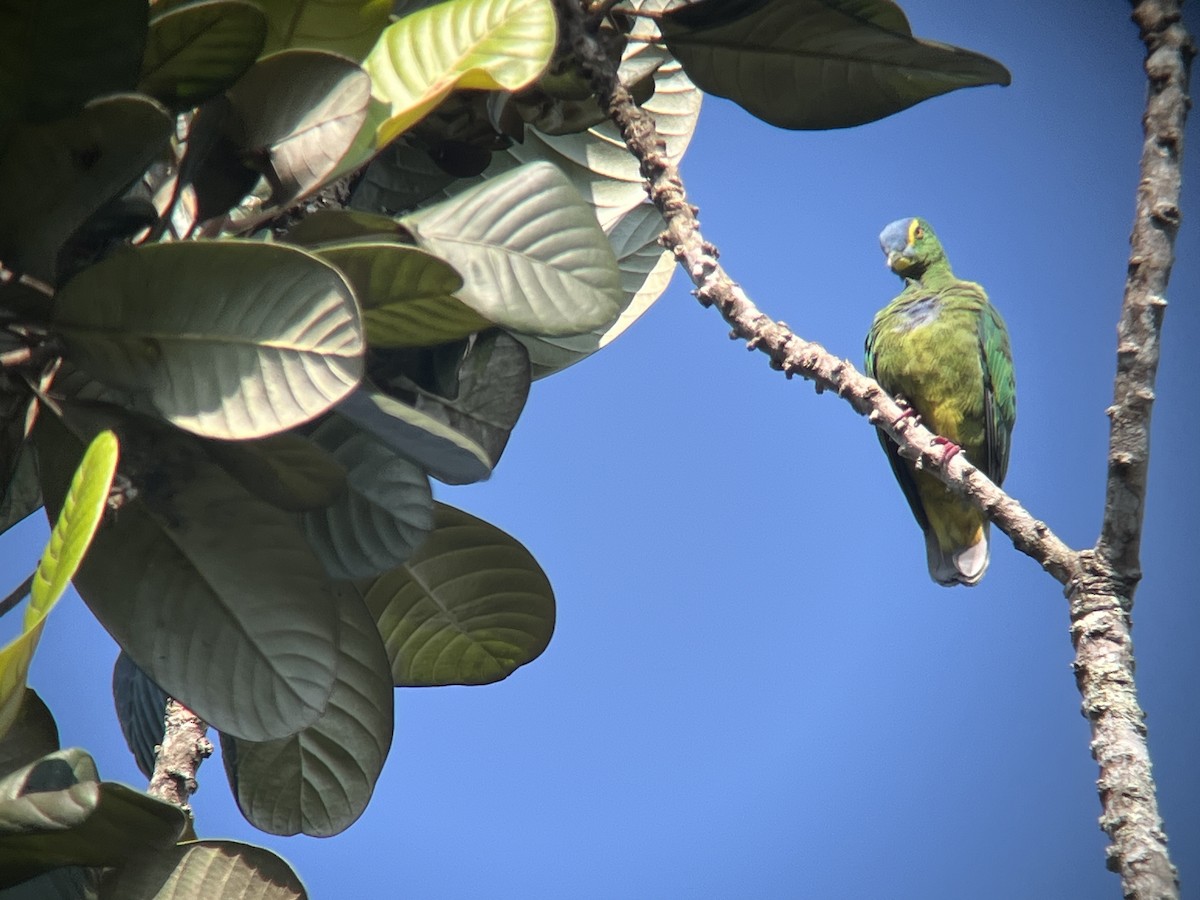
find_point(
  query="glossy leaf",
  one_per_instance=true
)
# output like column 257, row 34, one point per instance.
column 646, row 270
column 470, row 607
column 196, row 51
column 348, row 27
column 53, row 177
column 287, row 470
column 530, row 251
column 818, row 63
column 407, row 294
column 319, row 781
column 55, row 55
column 81, row 510
column 204, row 869
column 33, row 734
column 384, row 514
column 20, row 494
column 226, row 339
column 141, row 706
column 54, row 812
column 297, row 113
column 438, row 449
column 227, row 610
column 482, row 44
column 597, row 162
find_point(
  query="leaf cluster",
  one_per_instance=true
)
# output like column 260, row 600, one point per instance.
column 266, row 269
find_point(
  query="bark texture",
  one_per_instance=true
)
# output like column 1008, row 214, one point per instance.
column 184, row 746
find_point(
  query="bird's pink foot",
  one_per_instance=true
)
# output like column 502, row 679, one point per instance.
column 949, row 449
column 909, row 413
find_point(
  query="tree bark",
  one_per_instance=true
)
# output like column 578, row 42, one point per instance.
column 184, row 746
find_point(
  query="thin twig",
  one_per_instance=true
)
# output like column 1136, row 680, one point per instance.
column 19, row 593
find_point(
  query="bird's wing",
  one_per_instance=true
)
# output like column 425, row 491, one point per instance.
column 1000, row 394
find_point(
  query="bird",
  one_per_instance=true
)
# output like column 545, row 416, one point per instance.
column 942, row 350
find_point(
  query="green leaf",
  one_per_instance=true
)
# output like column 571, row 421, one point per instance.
column 490, row 387
column 54, row 813
column 81, row 511
column 297, row 112
column 319, row 781
column 33, row 734
column 818, row 63
column 227, row 608
column 228, row 339
column 646, row 270
column 287, row 470
column 54, row 177
column 438, row 449
column 21, row 494
column 331, row 226
column 348, row 27
column 482, row 44
column 407, row 294
column 203, row 869
column 399, row 178
column 532, row 254
column 141, row 706
column 470, row 607
column 197, row 51
column 383, row 515
column 55, row 55
column 62, row 883
column 597, row 162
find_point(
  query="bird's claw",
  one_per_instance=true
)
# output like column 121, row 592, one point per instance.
column 949, row 449
column 908, row 413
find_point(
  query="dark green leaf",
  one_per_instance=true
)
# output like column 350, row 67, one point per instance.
column 470, row 607
column 199, row 50
column 141, row 707
column 33, row 735
column 490, row 389
column 319, row 781
column 441, row 451
column 54, row 813
column 818, row 63
column 329, row 226
column 287, row 470
column 533, row 256
column 55, row 55
column 407, row 294
column 191, row 870
column 398, row 179
column 227, row 609
column 348, row 27
column 384, row 514
column 226, row 339
column 54, row 177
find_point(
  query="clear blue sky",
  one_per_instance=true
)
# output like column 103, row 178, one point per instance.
column 754, row 689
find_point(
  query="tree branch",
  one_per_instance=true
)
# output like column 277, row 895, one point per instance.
column 1100, row 625
column 184, row 746
column 787, row 351
column 1099, row 583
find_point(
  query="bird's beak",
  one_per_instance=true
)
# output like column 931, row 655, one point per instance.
column 897, row 261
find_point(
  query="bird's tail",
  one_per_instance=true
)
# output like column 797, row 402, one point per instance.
column 958, row 565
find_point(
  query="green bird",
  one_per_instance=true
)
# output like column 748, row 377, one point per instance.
column 942, row 349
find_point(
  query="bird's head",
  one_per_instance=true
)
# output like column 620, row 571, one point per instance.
column 911, row 247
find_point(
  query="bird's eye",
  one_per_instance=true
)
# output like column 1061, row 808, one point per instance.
column 918, row 232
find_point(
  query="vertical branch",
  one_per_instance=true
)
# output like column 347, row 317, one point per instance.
column 184, row 746
column 1102, row 598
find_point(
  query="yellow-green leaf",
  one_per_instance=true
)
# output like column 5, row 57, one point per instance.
column 72, row 535
column 482, row 44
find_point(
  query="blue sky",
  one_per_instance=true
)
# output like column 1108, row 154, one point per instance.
column 754, row 689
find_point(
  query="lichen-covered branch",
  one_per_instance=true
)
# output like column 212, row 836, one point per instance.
column 1099, row 583
column 1100, row 626
column 184, row 746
